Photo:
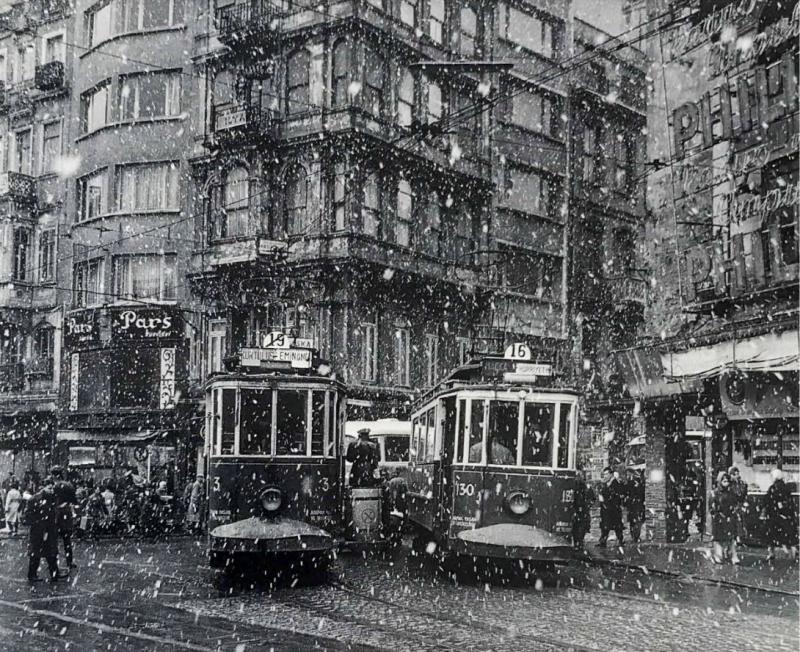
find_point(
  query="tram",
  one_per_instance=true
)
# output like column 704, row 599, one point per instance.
column 492, row 468
column 273, row 430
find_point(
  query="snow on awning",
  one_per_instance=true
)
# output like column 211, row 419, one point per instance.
column 770, row 352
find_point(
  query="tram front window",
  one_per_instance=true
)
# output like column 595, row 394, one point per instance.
column 537, row 434
column 228, row 422
column 503, row 432
column 476, row 432
column 256, row 422
column 292, row 415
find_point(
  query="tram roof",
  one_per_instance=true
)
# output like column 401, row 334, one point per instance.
column 271, row 378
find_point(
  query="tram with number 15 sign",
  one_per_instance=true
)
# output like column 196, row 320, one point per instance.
column 492, row 467
column 273, row 428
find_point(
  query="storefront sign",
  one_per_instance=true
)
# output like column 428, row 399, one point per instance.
column 711, row 25
column 81, row 328
column 74, row 364
column 167, row 396
column 295, row 358
column 145, row 323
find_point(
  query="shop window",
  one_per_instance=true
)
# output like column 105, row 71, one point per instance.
column 763, row 445
column 135, row 376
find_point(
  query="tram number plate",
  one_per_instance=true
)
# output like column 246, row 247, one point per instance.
column 567, row 496
column 465, row 489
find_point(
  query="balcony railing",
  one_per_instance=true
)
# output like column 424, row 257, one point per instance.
column 11, row 377
column 231, row 121
column 17, row 186
column 49, row 76
column 625, row 290
column 244, row 21
column 39, row 367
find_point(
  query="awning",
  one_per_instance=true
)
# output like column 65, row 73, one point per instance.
column 770, row 352
column 111, row 436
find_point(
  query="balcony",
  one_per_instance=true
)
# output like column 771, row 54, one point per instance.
column 626, row 290
column 49, row 76
column 244, row 22
column 234, row 122
column 11, row 377
column 19, row 187
column 39, row 367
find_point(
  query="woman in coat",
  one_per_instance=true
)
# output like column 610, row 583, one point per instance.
column 12, row 507
column 739, row 488
column 781, row 516
column 724, row 520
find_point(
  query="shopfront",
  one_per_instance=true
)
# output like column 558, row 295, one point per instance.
column 125, row 373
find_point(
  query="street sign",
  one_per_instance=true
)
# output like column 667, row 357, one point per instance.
column 518, row 351
column 296, row 358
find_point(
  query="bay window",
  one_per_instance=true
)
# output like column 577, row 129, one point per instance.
column 371, row 209
column 405, row 99
column 144, row 277
column 374, row 81
column 340, row 74
column 532, row 32
column 296, row 200
column 436, row 16
column 147, row 187
column 92, row 195
column 99, row 23
column 150, row 95
column 94, row 107
column 88, row 283
column 22, row 253
column 298, row 81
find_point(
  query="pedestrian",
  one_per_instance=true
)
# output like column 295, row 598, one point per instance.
column 364, row 456
column 582, row 505
column 12, row 507
column 634, row 500
column 739, row 489
column 724, row 520
column 43, row 535
column 109, row 497
column 197, row 496
column 97, row 514
column 612, row 495
column 66, row 500
column 781, row 517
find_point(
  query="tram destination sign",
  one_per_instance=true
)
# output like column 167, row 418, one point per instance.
column 275, row 358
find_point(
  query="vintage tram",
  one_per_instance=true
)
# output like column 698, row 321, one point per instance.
column 273, row 428
column 492, row 467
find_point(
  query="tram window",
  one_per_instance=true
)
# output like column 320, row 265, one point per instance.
column 564, row 426
column 476, row 432
column 255, row 420
column 503, row 431
column 423, row 437
column 317, row 423
column 228, row 422
column 537, row 442
column 448, row 429
column 292, row 416
column 430, row 445
column 396, row 448
column 462, row 426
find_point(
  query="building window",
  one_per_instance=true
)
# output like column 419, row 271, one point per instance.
column 88, row 283
column 51, row 146
column 464, row 349
column 144, row 277
column 402, row 356
column 787, row 234
column 43, row 345
column 92, row 195
column 371, row 211
column 592, row 161
column 23, row 151
column 528, row 31
column 468, row 24
column 436, row 11
column 339, row 197
column 405, row 99
column 536, row 112
column 374, row 82
column 408, row 12
column 26, row 63
column 296, row 200
column 47, row 255
column 369, row 352
column 528, row 192
column 150, row 95
column 233, row 216
column 431, row 359
column 137, row 15
column 341, row 67
column 99, row 24
column 624, row 250
column 431, row 239
column 94, row 107
column 298, row 82
column 532, row 273
column 217, row 345
column 147, row 187
column 435, row 102
column 405, row 213
column 22, row 253
column 624, row 164
column 53, row 48
column 460, row 237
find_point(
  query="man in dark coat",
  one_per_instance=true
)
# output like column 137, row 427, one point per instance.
column 582, row 505
column 781, row 516
column 634, row 499
column 364, row 456
column 612, row 494
column 66, row 499
column 43, row 537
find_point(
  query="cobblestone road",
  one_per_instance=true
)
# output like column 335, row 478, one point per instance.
column 160, row 596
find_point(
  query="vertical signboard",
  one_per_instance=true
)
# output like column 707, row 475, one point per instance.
column 167, row 386
column 73, row 381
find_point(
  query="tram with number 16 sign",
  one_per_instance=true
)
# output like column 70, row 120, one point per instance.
column 274, row 423
column 492, row 468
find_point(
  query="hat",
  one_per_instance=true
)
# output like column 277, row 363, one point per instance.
column 777, row 474
column 56, row 471
column 723, row 475
column 364, row 431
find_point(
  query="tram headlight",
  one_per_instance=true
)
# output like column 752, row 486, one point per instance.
column 518, row 502
column 271, row 500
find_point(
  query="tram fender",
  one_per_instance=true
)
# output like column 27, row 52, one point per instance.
column 515, row 540
column 284, row 534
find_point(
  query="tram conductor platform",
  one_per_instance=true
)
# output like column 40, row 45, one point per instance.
column 364, row 456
